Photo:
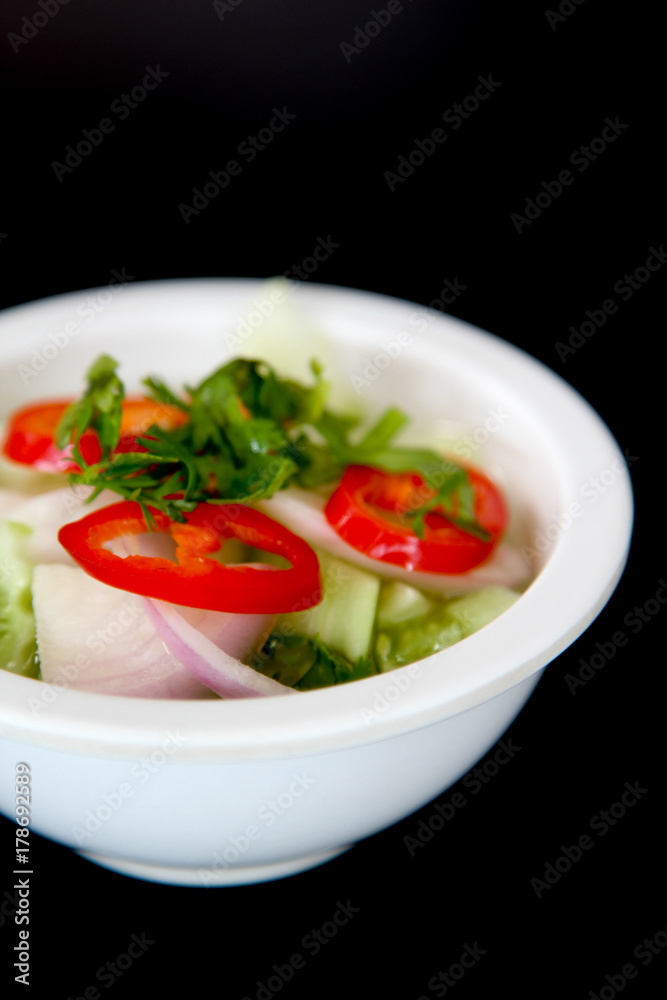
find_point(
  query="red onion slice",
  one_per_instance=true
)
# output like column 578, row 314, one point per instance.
column 236, row 634
column 213, row 667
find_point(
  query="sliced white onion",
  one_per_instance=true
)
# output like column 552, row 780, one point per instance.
column 11, row 500
column 303, row 513
column 96, row 638
column 215, row 668
column 46, row 513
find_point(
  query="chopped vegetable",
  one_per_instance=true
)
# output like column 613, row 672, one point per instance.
column 303, row 512
column 30, row 438
column 209, row 663
column 371, row 510
column 46, row 513
column 17, row 622
column 195, row 580
column 33, row 432
column 404, row 640
column 344, row 617
column 307, row 663
column 473, row 611
column 399, row 602
column 414, row 640
column 96, row 638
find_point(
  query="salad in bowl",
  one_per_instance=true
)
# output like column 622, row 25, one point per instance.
column 257, row 538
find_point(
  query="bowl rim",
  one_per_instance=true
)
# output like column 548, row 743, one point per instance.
column 520, row 643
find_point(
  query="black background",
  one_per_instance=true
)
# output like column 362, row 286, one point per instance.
column 323, row 176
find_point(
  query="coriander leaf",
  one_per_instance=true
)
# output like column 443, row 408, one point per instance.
column 343, row 669
column 456, row 498
column 316, row 465
column 248, row 434
column 99, row 410
column 162, row 393
column 387, row 427
column 335, row 428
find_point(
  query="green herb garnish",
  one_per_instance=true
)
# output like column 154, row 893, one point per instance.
column 306, row 663
column 249, row 433
column 98, row 410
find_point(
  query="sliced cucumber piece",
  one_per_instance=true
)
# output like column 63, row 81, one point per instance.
column 413, row 640
column 417, row 636
column 17, row 623
column 232, row 550
column 473, row 611
column 345, row 617
column 400, row 602
column 262, row 556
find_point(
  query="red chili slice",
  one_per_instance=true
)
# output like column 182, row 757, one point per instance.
column 368, row 511
column 30, row 433
column 196, row 580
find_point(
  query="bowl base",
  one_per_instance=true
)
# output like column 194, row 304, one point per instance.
column 207, row 877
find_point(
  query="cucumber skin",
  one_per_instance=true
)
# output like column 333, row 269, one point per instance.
column 18, row 645
column 399, row 602
column 415, row 640
column 345, row 618
column 449, row 622
column 477, row 609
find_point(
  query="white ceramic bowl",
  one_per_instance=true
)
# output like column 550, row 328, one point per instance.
column 219, row 793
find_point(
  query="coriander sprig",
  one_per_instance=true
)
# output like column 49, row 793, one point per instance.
column 249, row 433
column 98, row 410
